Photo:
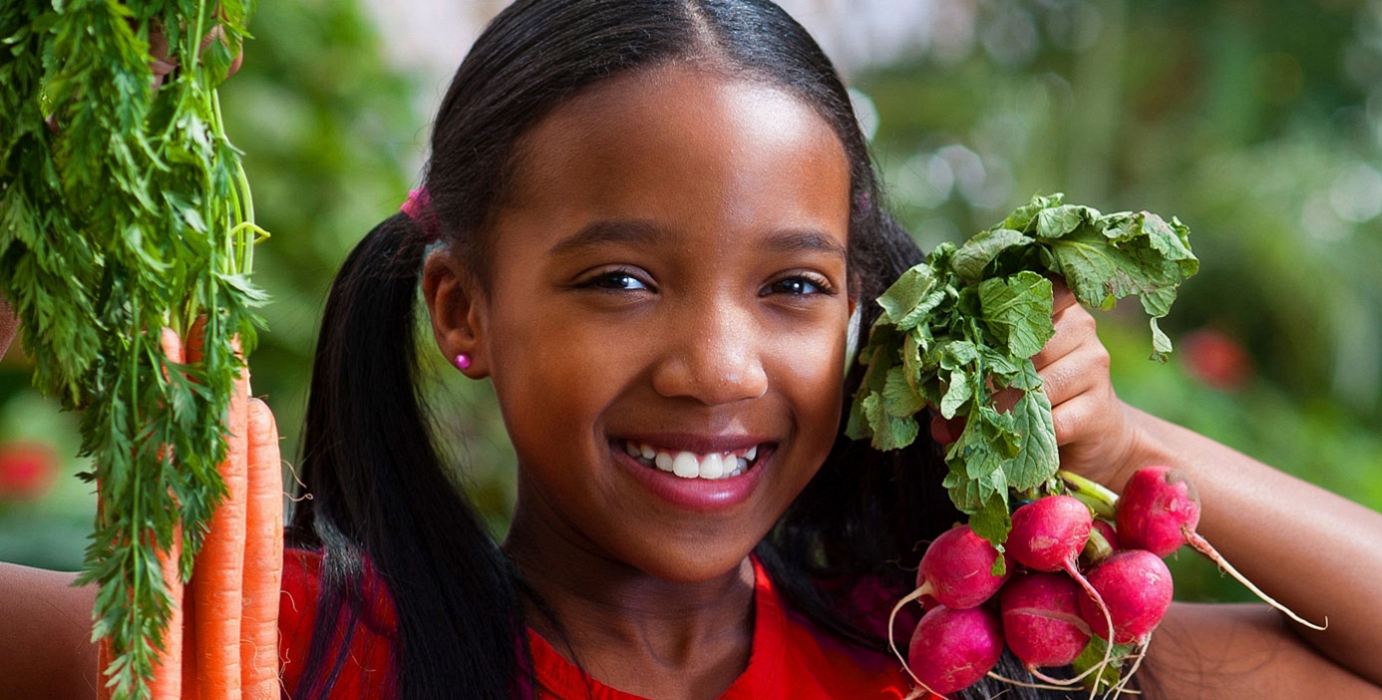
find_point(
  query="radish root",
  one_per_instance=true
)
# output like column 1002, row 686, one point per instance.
column 1204, row 547
column 892, row 644
column 1140, row 653
column 1023, row 684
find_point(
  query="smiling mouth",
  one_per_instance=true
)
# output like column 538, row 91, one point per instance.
column 690, row 465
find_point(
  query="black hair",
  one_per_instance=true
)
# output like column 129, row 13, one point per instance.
column 379, row 494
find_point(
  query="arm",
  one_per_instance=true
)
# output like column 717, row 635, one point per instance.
column 46, row 649
column 1226, row 652
column 1317, row 553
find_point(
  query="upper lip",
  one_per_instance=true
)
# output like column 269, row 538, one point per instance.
column 695, row 443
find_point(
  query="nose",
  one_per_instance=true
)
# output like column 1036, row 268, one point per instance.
column 713, row 354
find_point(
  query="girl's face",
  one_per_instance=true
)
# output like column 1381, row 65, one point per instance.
column 668, row 279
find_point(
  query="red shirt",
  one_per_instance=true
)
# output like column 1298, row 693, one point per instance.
column 790, row 658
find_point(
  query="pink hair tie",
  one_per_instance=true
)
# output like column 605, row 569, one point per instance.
column 418, row 207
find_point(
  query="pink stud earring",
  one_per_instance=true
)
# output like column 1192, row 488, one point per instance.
column 463, row 362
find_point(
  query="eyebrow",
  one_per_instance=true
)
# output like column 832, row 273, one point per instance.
column 643, row 233
column 797, row 241
column 629, row 232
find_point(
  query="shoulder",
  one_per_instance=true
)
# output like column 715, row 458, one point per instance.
column 365, row 628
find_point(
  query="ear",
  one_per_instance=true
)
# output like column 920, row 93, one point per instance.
column 457, row 308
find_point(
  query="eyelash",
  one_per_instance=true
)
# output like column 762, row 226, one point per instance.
column 596, row 282
column 821, row 284
column 599, row 283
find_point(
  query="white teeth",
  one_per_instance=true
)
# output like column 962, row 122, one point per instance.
column 686, row 466
column 663, row 461
column 712, row 467
column 689, row 465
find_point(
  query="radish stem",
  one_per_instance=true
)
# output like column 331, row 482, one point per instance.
column 1099, row 498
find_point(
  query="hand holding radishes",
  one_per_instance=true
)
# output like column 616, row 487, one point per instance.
column 964, row 332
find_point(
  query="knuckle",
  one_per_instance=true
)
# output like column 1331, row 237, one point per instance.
column 1066, row 424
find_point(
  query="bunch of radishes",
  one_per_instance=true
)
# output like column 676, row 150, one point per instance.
column 1073, row 566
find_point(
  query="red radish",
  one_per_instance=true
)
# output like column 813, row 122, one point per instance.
column 1136, row 589
column 957, row 569
column 1048, row 534
column 1159, row 511
column 1041, row 619
column 952, row 649
column 1156, row 508
column 957, row 573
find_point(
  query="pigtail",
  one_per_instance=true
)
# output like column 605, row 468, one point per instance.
column 376, row 495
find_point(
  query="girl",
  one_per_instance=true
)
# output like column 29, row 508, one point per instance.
column 650, row 223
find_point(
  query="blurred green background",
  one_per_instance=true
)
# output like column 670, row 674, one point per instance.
column 1258, row 124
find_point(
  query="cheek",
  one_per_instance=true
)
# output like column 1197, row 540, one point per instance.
column 808, row 369
column 553, row 376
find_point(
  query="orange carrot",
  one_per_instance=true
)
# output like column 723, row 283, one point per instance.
column 167, row 681
column 218, row 576
column 263, row 558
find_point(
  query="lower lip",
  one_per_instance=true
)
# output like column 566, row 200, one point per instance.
column 700, row 495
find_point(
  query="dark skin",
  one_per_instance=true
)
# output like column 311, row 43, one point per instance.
column 723, row 322
column 733, row 309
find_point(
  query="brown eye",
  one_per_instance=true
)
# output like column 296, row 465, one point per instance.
column 617, row 281
column 797, row 286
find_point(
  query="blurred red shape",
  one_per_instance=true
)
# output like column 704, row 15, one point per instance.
column 1216, row 359
column 27, row 470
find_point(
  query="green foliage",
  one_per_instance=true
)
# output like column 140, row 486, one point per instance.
column 125, row 211
column 964, row 325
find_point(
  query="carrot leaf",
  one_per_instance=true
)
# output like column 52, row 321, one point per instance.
column 123, row 210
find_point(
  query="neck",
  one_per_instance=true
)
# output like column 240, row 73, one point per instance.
column 628, row 628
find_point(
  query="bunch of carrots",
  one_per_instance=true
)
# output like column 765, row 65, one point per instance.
column 222, row 637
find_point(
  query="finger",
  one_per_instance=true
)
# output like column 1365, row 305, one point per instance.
column 163, row 64
column 946, row 431
column 1005, row 399
column 1075, row 418
column 1075, row 327
column 218, row 33
column 1061, row 296
column 1082, row 371
column 9, row 325
column 235, row 64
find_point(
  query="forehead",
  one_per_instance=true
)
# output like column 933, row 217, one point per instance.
column 693, row 147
